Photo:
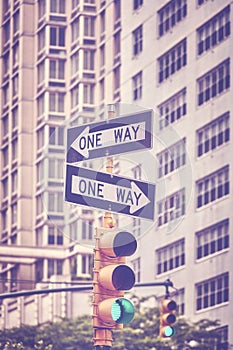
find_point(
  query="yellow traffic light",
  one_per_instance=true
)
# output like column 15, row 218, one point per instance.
column 167, row 318
column 111, row 278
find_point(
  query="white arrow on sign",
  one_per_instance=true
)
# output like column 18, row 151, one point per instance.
column 89, row 140
column 132, row 197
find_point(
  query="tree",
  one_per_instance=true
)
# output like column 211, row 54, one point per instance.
column 141, row 334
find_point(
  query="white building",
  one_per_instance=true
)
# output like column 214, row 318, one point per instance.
column 171, row 56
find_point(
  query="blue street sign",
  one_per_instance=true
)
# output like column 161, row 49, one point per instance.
column 109, row 192
column 109, row 137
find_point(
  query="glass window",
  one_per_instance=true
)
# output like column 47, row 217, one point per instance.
column 171, row 14
column 214, row 82
column 89, row 26
column 212, row 292
column 170, row 257
column 137, row 86
column 172, row 61
column 171, row 207
column 57, row 6
column 213, row 187
column 137, row 40
column 57, row 36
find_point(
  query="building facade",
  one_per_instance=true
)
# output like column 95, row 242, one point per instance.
column 62, row 62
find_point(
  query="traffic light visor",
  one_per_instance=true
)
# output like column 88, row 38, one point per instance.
column 116, row 311
column 117, row 277
column 169, row 331
column 122, row 311
column 118, row 243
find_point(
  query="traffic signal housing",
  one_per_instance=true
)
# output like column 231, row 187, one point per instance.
column 111, row 278
column 167, row 318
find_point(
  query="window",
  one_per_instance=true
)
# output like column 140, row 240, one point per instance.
column 89, row 26
column 40, row 138
column 137, row 86
column 172, row 61
column 55, row 235
column 14, row 182
column 86, row 264
column 171, row 158
column 137, row 40
column 14, row 149
column 41, row 39
column 40, row 171
column 214, row 82
column 213, row 134
column 170, row 257
column 137, row 4
column 74, row 63
column 15, row 55
column 14, row 214
column 74, row 96
column 89, row 56
column 57, row 36
column 5, row 125
column 222, row 343
column 56, row 168
column 102, row 56
column 116, row 82
column 55, row 202
column 137, row 269
column 6, row 32
column 171, row 207
column 102, row 24
column 39, row 204
column 56, row 135
column 5, row 188
column 212, row 292
column 57, row 6
column 56, row 102
column 87, row 229
column 14, row 118
column 4, row 219
column 214, row 31
column 201, row 2
column 212, row 239
column 16, row 22
column 75, row 30
column 41, row 72
column 41, row 8
column 6, row 63
column 15, row 85
column 213, row 187
column 56, row 69
column 136, row 230
column 171, row 14
column 54, row 267
column 5, row 154
column 102, row 89
column 75, row 3
column 88, row 93
column 117, row 10
column 40, row 105
column 117, row 45
column 172, row 109
column 6, row 94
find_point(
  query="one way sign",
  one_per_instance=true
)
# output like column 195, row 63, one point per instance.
column 109, row 192
column 113, row 136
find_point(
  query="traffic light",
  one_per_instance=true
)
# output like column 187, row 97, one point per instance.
column 111, row 278
column 167, row 318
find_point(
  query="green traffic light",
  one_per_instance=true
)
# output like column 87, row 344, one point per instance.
column 169, row 331
column 122, row 311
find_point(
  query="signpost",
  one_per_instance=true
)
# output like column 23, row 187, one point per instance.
column 113, row 136
column 109, row 192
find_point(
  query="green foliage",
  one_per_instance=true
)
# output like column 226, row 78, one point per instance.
column 141, row 333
